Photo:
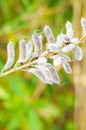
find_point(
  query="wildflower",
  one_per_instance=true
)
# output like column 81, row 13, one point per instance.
column 69, row 42
column 63, row 60
column 52, row 45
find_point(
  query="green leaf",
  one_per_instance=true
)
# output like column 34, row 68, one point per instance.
column 14, row 122
column 5, row 9
column 16, row 83
column 34, row 120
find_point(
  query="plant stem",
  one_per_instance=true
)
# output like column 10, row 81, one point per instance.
column 18, row 68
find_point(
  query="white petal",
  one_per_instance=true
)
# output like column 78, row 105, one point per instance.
column 29, row 48
column 67, row 68
column 10, row 56
column 44, row 53
column 67, row 39
column 52, row 47
column 69, row 30
column 42, row 60
column 22, row 52
column 38, row 73
column 68, row 48
column 53, row 73
column 74, row 40
column 78, row 53
column 37, row 45
column 41, row 38
column 57, row 60
column 67, row 58
column 46, row 73
column 60, row 39
column 49, row 34
column 83, row 23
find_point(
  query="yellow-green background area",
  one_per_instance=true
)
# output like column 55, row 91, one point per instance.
column 25, row 102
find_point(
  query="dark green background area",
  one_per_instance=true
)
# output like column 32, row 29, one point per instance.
column 20, row 108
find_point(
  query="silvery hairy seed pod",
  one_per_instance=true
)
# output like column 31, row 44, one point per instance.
column 22, row 52
column 83, row 23
column 45, row 71
column 67, row 67
column 53, row 73
column 38, row 73
column 10, row 56
column 52, row 47
column 37, row 45
column 69, row 29
column 29, row 49
column 60, row 40
column 78, row 53
column 49, row 34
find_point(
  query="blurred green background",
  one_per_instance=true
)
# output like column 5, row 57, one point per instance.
column 25, row 102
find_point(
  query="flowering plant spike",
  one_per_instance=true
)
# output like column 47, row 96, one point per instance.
column 34, row 60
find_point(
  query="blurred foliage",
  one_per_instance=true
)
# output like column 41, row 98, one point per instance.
column 26, row 103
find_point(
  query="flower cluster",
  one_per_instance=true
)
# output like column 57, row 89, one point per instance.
column 33, row 59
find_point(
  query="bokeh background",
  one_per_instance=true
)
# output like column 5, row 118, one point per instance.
column 25, row 102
